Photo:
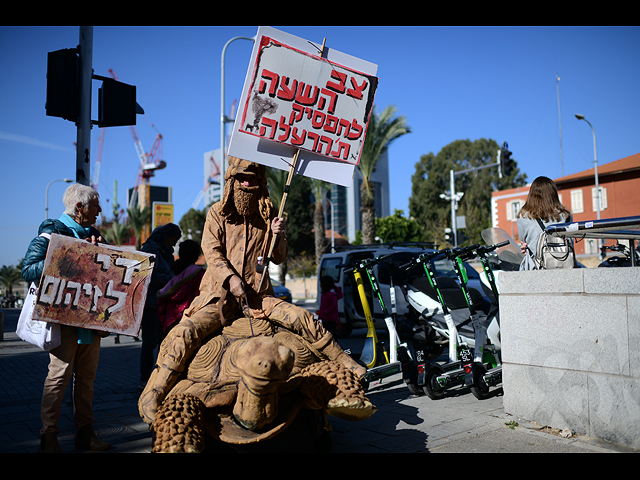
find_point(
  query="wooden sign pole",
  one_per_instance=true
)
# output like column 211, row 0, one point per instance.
column 274, row 238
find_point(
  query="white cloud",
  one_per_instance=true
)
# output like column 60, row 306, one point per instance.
column 13, row 137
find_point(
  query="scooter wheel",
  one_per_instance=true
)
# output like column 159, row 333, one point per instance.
column 412, row 382
column 479, row 388
column 432, row 388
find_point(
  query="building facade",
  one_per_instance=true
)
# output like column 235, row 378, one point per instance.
column 346, row 201
column 619, row 183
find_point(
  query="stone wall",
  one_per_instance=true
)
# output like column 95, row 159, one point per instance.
column 571, row 350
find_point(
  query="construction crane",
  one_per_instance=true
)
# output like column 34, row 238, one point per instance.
column 149, row 163
column 212, row 179
column 214, row 168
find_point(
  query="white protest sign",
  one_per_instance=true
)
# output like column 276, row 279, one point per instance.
column 294, row 99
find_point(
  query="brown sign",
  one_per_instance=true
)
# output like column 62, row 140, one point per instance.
column 96, row 287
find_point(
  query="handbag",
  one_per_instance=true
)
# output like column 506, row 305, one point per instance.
column 554, row 252
column 43, row 335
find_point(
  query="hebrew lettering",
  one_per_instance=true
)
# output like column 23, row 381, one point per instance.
column 308, row 102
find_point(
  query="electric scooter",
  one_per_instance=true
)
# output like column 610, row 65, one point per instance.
column 380, row 363
column 427, row 317
column 463, row 367
column 425, row 324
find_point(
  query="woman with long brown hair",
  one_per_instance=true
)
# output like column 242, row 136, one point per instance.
column 542, row 203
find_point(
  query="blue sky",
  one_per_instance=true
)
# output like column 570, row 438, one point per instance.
column 449, row 82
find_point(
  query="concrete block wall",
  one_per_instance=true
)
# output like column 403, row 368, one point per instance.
column 571, row 350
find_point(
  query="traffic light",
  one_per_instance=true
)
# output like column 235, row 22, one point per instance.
column 506, row 162
column 62, row 84
column 461, row 237
column 448, row 236
column 117, row 105
column 116, row 100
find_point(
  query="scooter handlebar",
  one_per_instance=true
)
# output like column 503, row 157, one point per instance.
column 360, row 264
column 475, row 250
column 463, row 253
column 423, row 257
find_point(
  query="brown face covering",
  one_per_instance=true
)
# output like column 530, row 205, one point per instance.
column 245, row 199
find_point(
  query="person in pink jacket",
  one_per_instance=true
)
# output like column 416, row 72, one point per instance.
column 328, row 311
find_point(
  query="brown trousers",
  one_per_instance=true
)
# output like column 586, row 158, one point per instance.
column 188, row 335
column 70, row 360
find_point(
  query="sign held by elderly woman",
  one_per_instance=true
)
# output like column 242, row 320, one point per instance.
column 305, row 98
column 96, row 287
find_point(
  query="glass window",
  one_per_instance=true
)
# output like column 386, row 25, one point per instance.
column 577, row 205
column 330, row 267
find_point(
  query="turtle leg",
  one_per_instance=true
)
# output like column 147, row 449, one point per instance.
column 179, row 425
column 328, row 346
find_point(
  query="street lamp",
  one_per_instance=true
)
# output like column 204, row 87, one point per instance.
column 595, row 156
column 223, row 118
column 46, row 197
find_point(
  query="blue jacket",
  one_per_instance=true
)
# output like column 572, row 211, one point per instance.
column 33, row 263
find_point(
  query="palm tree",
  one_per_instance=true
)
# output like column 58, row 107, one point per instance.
column 9, row 275
column 138, row 220
column 119, row 232
column 381, row 131
column 319, row 189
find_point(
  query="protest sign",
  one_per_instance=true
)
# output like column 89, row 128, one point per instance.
column 298, row 97
column 95, row 287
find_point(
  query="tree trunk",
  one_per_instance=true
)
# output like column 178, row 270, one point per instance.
column 318, row 225
column 368, row 214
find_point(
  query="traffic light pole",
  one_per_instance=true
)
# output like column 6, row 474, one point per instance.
column 83, row 149
column 69, row 82
column 454, row 200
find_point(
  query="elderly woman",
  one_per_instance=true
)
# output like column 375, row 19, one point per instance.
column 79, row 349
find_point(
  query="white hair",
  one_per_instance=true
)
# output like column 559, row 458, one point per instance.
column 77, row 193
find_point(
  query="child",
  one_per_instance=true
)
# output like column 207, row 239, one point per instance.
column 178, row 294
column 328, row 311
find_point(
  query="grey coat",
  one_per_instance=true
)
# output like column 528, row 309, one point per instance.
column 529, row 232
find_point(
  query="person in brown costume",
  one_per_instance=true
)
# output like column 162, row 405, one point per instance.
column 236, row 234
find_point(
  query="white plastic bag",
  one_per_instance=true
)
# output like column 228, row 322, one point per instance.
column 44, row 335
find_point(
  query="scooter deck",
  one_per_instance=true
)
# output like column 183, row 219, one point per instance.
column 368, row 356
column 493, row 376
column 383, row 371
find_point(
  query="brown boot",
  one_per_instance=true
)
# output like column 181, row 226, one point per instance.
column 160, row 383
column 49, row 444
column 86, row 440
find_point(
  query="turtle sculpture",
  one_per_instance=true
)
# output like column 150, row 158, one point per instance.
column 247, row 383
